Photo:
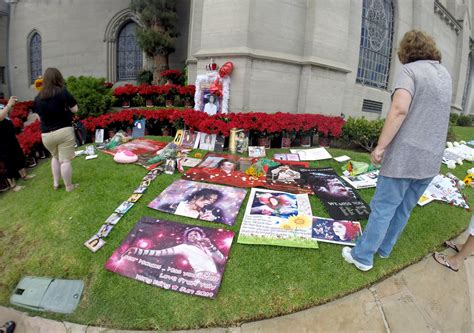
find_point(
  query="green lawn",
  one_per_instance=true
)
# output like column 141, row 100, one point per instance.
column 42, row 232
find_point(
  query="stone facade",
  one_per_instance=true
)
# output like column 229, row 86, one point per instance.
column 298, row 56
column 303, row 55
column 78, row 37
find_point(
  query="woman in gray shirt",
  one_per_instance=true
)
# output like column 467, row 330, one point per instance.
column 410, row 147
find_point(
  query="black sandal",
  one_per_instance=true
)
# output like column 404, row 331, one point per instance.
column 8, row 327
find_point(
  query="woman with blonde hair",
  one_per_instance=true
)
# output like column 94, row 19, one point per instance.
column 410, row 147
column 55, row 107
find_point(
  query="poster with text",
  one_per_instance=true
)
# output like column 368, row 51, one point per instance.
column 174, row 256
column 277, row 218
column 336, row 231
column 340, row 199
column 209, row 202
column 230, row 170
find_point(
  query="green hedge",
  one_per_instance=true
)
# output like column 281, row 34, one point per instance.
column 92, row 96
column 465, row 121
column 362, row 132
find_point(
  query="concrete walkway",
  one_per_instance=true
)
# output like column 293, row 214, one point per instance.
column 425, row 297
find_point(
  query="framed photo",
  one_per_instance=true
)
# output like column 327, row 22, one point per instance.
column 207, row 141
column 207, row 102
column 256, row 151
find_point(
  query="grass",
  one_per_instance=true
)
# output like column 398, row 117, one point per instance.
column 42, row 232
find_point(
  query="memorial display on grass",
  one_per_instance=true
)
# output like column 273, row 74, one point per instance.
column 174, row 256
column 190, row 139
column 312, row 154
column 97, row 241
column 248, row 172
column 209, row 202
column 145, row 149
column 336, row 231
column 365, row 180
column 443, row 188
column 277, row 218
column 339, row 198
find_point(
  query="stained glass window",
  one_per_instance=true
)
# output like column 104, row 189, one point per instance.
column 375, row 43
column 35, row 57
column 129, row 54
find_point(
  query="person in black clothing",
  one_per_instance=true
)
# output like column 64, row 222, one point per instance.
column 55, row 107
column 10, row 151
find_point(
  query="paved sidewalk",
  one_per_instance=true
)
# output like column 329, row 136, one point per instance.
column 425, row 297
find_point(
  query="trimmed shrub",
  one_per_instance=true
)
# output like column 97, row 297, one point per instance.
column 362, row 132
column 144, row 76
column 453, row 118
column 464, row 121
column 92, row 95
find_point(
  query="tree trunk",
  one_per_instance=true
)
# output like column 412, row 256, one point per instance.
column 160, row 64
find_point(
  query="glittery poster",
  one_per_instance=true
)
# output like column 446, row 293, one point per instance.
column 174, row 256
column 208, row 202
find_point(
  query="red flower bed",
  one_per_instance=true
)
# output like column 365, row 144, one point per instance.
column 222, row 124
column 30, row 137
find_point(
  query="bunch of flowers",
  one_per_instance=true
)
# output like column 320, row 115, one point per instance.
column 38, row 83
column 187, row 92
column 125, row 92
column 258, row 123
column 108, row 85
column 146, row 90
column 172, row 75
column 30, row 138
column 169, row 91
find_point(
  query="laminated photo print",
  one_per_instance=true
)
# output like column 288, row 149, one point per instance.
column 256, row 151
column 174, row 256
column 277, row 218
column 208, row 202
column 207, row 141
column 339, row 198
column 190, row 139
column 124, row 207
column 336, row 231
column 113, row 218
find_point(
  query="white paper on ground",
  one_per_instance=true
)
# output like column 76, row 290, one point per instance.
column 314, row 154
column 90, row 157
column 343, row 158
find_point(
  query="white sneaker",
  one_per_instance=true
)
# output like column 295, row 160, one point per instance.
column 346, row 254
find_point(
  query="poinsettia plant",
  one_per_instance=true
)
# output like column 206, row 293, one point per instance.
column 174, row 76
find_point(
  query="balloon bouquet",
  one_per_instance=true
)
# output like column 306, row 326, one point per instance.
column 225, row 70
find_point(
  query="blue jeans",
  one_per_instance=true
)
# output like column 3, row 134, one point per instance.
column 391, row 206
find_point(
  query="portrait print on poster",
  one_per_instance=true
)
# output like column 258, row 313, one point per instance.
column 174, row 256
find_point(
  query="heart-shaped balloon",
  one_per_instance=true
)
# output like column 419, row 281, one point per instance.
column 226, row 69
column 216, row 87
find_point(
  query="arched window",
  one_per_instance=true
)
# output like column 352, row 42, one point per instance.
column 467, row 84
column 129, row 54
column 375, row 43
column 35, row 57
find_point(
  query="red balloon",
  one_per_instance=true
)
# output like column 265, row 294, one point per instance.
column 226, row 69
column 216, row 87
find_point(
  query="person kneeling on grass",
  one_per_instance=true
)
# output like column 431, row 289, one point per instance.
column 410, row 147
column 454, row 262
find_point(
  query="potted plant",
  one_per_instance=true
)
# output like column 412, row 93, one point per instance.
column 187, row 94
column 148, row 93
column 125, row 94
column 172, row 77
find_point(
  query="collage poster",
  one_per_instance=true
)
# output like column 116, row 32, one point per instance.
column 443, row 188
column 340, row 199
column 214, row 203
column 336, row 231
column 174, row 256
column 145, row 149
column 230, row 170
column 277, row 218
